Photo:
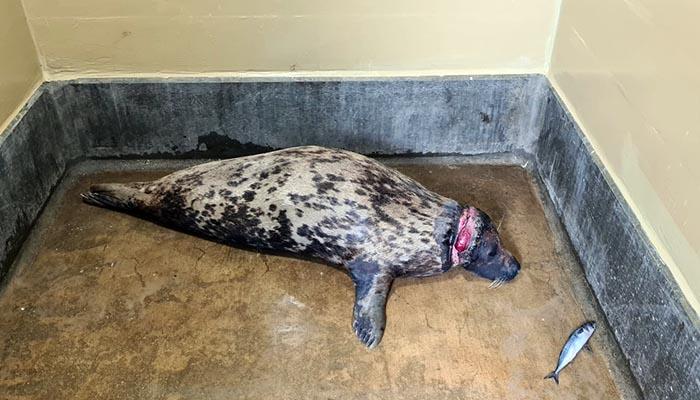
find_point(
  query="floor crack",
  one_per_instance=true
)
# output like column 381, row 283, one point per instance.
column 138, row 274
column 264, row 260
column 427, row 323
column 201, row 255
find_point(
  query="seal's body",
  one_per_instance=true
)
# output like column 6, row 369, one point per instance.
column 333, row 205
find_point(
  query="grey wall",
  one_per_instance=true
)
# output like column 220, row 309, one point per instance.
column 225, row 119
column 70, row 121
column 34, row 153
column 655, row 327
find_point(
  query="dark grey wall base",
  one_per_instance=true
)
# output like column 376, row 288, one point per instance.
column 34, row 153
column 655, row 327
column 224, row 119
column 69, row 121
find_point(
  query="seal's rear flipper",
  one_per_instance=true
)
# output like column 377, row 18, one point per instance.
column 118, row 196
column 553, row 375
column 371, row 291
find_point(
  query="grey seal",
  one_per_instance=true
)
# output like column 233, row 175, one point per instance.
column 340, row 207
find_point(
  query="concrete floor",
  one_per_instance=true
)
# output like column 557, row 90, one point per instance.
column 104, row 305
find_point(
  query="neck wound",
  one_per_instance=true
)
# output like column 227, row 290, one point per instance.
column 468, row 232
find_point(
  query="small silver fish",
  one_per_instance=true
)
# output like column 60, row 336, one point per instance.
column 577, row 340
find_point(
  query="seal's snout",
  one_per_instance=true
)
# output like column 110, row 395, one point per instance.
column 512, row 269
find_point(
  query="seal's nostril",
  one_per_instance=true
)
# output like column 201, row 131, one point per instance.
column 514, row 268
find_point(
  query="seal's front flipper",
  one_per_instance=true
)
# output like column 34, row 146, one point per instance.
column 587, row 346
column 371, row 291
column 369, row 315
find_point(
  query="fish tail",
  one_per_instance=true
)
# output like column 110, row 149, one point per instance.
column 553, row 375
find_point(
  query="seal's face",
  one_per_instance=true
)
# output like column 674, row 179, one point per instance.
column 478, row 248
column 491, row 260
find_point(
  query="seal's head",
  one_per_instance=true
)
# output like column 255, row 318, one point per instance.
column 477, row 247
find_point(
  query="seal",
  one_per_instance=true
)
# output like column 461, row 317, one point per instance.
column 334, row 205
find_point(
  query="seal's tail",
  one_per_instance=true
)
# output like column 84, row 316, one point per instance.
column 127, row 196
column 553, row 375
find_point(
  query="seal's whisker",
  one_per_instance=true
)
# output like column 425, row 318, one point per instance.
column 491, row 286
column 498, row 228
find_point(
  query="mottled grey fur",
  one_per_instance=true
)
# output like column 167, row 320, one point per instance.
column 333, row 205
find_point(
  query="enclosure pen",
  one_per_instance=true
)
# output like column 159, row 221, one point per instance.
column 526, row 211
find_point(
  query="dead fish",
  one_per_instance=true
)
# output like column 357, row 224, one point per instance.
column 577, row 340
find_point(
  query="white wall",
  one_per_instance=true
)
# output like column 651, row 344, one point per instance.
column 629, row 71
column 151, row 37
column 19, row 67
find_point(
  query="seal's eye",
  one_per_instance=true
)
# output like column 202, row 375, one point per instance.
column 492, row 251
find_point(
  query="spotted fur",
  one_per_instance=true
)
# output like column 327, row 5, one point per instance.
column 333, row 205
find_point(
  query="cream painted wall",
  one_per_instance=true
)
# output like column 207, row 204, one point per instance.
column 19, row 67
column 150, row 37
column 628, row 70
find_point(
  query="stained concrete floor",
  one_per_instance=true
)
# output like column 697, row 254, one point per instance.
column 104, row 305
